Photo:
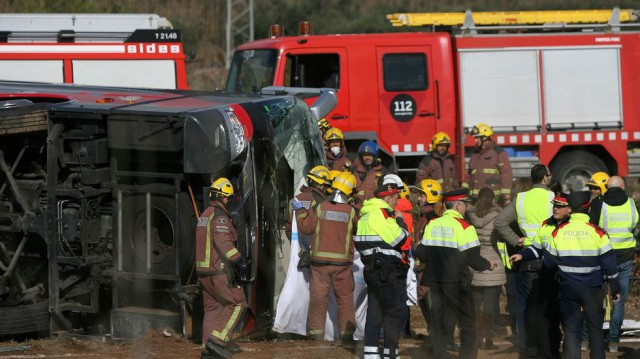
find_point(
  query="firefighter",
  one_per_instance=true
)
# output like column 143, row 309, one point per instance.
column 331, row 258
column 449, row 247
column 379, row 240
column 310, row 195
column 438, row 164
column 323, row 125
column 528, row 210
column 336, row 151
column 368, row 171
column 221, row 268
column 598, row 187
column 619, row 217
column 549, row 306
column 581, row 252
column 489, row 165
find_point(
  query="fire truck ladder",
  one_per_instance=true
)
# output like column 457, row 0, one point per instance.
column 76, row 27
column 469, row 22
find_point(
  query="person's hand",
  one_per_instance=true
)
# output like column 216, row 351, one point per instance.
column 492, row 265
column 616, row 298
column 521, row 242
column 515, row 258
column 296, row 205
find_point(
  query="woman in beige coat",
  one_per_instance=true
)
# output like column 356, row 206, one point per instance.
column 486, row 285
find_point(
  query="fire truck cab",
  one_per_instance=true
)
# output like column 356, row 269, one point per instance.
column 124, row 50
column 557, row 87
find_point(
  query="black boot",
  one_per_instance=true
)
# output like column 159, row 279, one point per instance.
column 487, row 344
column 217, row 351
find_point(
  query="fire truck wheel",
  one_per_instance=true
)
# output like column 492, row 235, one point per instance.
column 163, row 241
column 573, row 169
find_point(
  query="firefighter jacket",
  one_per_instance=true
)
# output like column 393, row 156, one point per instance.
column 404, row 207
column 619, row 217
column 449, row 246
column 441, row 169
column 378, row 234
column 216, row 239
column 310, row 197
column 334, row 225
column 367, row 180
column 582, row 252
column 528, row 210
column 339, row 162
column 427, row 213
column 541, row 240
column 490, row 168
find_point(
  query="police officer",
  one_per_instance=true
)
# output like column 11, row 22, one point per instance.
column 220, row 267
column 549, row 319
column 449, row 247
column 368, row 171
column 598, row 187
column 619, row 217
column 489, row 165
column 582, row 252
column 438, row 164
column 332, row 249
column 528, row 211
column 336, row 151
column 379, row 240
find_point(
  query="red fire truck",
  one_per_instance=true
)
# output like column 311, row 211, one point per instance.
column 124, row 50
column 557, row 87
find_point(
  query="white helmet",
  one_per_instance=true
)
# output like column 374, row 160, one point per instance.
column 392, row 179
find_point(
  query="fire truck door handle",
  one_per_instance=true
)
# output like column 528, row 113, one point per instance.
column 338, row 117
column 437, row 99
column 426, row 114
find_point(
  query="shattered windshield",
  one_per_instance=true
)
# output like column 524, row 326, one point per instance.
column 251, row 70
column 296, row 136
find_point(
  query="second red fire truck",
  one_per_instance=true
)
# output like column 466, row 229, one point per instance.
column 557, row 87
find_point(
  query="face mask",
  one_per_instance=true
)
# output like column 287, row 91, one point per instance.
column 335, row 150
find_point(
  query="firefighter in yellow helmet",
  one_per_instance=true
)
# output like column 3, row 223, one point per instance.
column 489, row 165
column 334, row 223
column 336, row 151
column 310, row 196
column 220, row 268
column 438, row 164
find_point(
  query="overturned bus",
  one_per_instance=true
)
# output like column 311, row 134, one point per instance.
column 101, row 189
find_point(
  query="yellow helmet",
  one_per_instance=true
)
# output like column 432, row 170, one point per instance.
column 432, row 189
column 440, row 138
column 332, row 176
column 319, row 174
column 222, row 186
column 599, row 179
column 333, row 134
column 323, row 124
column 482, row 130
column 344, row 182
column 404, row 192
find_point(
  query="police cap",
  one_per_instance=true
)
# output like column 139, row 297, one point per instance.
column 386, row 190
column 461, row 194
column 579, row 199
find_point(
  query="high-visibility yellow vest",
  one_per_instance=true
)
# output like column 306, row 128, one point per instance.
column 450, row 231
column 532, row 208
column 504, row 255
column 619, row 222
column 377, row 232
column 541, row 240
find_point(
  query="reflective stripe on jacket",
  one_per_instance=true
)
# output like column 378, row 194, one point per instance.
column 332, row 242
column 215, row 240
column 532, row 208
column 619, row 222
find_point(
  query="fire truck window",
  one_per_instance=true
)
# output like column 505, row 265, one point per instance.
column 316, row 71
column 32, row 70
column 158, row 74
column 405, row 72
column 251, row 70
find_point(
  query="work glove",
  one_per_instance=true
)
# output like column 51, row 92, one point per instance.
column 296, row 205
column 305, row 259
column 243, row 269
column 614, row 287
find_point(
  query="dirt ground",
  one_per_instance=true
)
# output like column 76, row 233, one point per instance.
column 157, row 345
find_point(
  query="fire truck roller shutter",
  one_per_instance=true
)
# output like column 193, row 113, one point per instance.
column 574, row 168
column 163, row 223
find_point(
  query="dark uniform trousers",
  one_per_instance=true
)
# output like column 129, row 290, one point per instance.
column 549, row 325
column 572, row 298
column 224, row 308
column 460, row 299
column 387, row 302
